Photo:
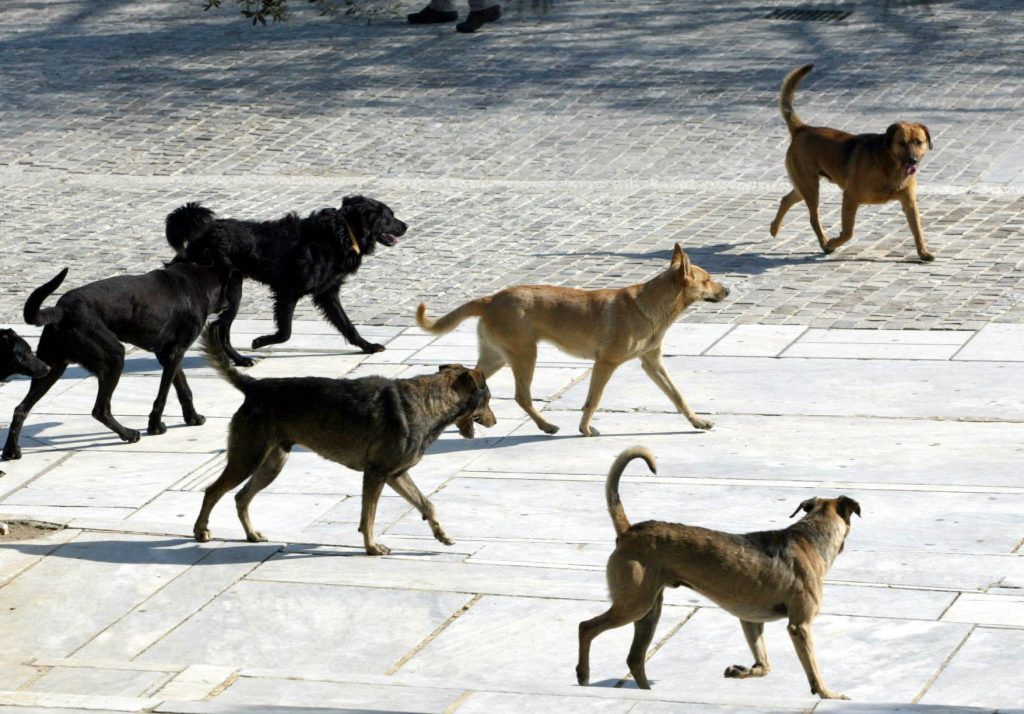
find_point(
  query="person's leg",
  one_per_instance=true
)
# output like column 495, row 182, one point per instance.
column 480, row 13
column 435, row 11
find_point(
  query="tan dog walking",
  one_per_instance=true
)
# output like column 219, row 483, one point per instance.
column 608, row 326
column 869, row 168
column 758, row 577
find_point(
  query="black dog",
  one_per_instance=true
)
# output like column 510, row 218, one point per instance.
column 162, row 311
column 16, row 357
column 293, row 256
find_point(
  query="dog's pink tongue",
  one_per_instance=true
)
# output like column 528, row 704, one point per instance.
column 911, row 170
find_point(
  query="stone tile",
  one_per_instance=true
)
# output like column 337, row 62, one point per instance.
column 270, row 692
column 685, row 338
column 987, row 609
column 487, row 702
column 997, row 342
column 980, row 674
column 756, row 341
column 264, row 624
column 100, row 681
column 870, row 350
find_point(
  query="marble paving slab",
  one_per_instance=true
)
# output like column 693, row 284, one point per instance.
column 982, row 673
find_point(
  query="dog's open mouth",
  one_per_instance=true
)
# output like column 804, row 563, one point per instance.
column 467, row 424
column 911, row 169
column 387, row 239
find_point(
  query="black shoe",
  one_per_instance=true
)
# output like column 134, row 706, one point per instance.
column 428, row 16
column 478, row 18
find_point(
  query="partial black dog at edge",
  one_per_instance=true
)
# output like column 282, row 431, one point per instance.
column 162, row 311
column 294, row 256
column 16, row 358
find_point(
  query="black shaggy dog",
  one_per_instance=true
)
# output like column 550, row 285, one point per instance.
column 162, row 311
column 293, row 256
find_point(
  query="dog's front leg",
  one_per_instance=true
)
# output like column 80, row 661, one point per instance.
column 849, row 220
column 654, row 367
column 754, row 632
column 403, row 485
column 603, row 371
column 803, row 642
column 908, row 200
column 330, row 305
column 373, row 485
column 233, row 296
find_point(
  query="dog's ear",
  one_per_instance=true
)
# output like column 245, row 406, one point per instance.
column 443, row 367
column 680, row 261
column 927, row 135
column 349, row 200
column 807, row 506
column 846, row 507
column 890, row 133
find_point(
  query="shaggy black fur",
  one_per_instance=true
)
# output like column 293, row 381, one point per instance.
column 162, row 311
column 294, row 256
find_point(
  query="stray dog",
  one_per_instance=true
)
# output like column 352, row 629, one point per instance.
column 869, row 168
column 608, row 326
column 16, row 357
column 293, row 256
column 758, row 577
column 375, row 425
column 162, row 311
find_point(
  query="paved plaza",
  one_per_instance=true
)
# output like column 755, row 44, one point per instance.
column 573, row 143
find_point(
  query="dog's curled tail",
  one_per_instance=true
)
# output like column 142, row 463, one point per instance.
column 443, row 325
column 212, row 345
column 32, row 314
column 786, row 94
column 611, row 485
column 185, row 224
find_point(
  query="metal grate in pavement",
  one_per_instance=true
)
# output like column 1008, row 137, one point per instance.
column 808, row 14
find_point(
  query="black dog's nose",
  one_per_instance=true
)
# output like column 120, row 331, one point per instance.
column 912, row 160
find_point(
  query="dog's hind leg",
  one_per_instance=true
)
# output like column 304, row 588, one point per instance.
column 803, row 642
column 171, row 362
column 284, row 309
column 245, row 453
column 849, row 220
column 100, row 352
column 788, row 201
column 403, row 485
column 654, row 367
column 490, row 358
column 754, row 632
column 635, row 608
column 264, row 475
column 522, row 364
column 373, row 485
column 188, row 407
column 643, row 633
column 330, row 305
column 598, row 380
column 36, row 391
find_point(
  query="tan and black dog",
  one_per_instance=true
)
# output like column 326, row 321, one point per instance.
column 758, row 577
column 869, row 168
column 608, row 326
column 375, row 425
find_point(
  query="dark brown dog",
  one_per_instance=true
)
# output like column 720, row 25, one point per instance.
column 758, row 577
column 608, row 326
column 869, row 168
column 162, row 311
column 375, row 425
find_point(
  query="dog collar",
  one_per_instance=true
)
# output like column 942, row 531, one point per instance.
column 351, row 236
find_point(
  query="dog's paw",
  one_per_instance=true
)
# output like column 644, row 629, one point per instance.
column 155, row 428
column 590, row 431
column 926, row 257
column 549, row 429
column 244, row 361
column 132, row 435
column 371, row 348
column 12, row 453
column 203, row 535
column 255, row 537
column 195, row 420
column 702, row 424
column 377, row 549
column 582, row 676
column 829, row 694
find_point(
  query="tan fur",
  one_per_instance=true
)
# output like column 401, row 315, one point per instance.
column 869, row 168
column 608, row 326
column 758, row 577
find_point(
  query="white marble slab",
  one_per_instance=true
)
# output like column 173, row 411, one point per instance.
column 750, row 385
column 267, row 624
column 998, row 342
column 100, row 681
column 692, row 338
column 275, row 692
column 868, row 659
column 870, row 350
column 914, row 567
column 491, row 702
column 1002, row 610
column 89, row 584
column 756, row 341
column 983, row 673
column 519, row 641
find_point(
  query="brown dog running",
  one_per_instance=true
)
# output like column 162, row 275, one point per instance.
column 608, row 326
column 869, row 168
column 758, row 577
column 375, row 425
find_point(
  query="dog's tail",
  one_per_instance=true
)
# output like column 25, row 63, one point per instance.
column 443, row 325
column 185, row 224
column 611, row 486
column 32, row 314
column 212, row 345
column 786, row 94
